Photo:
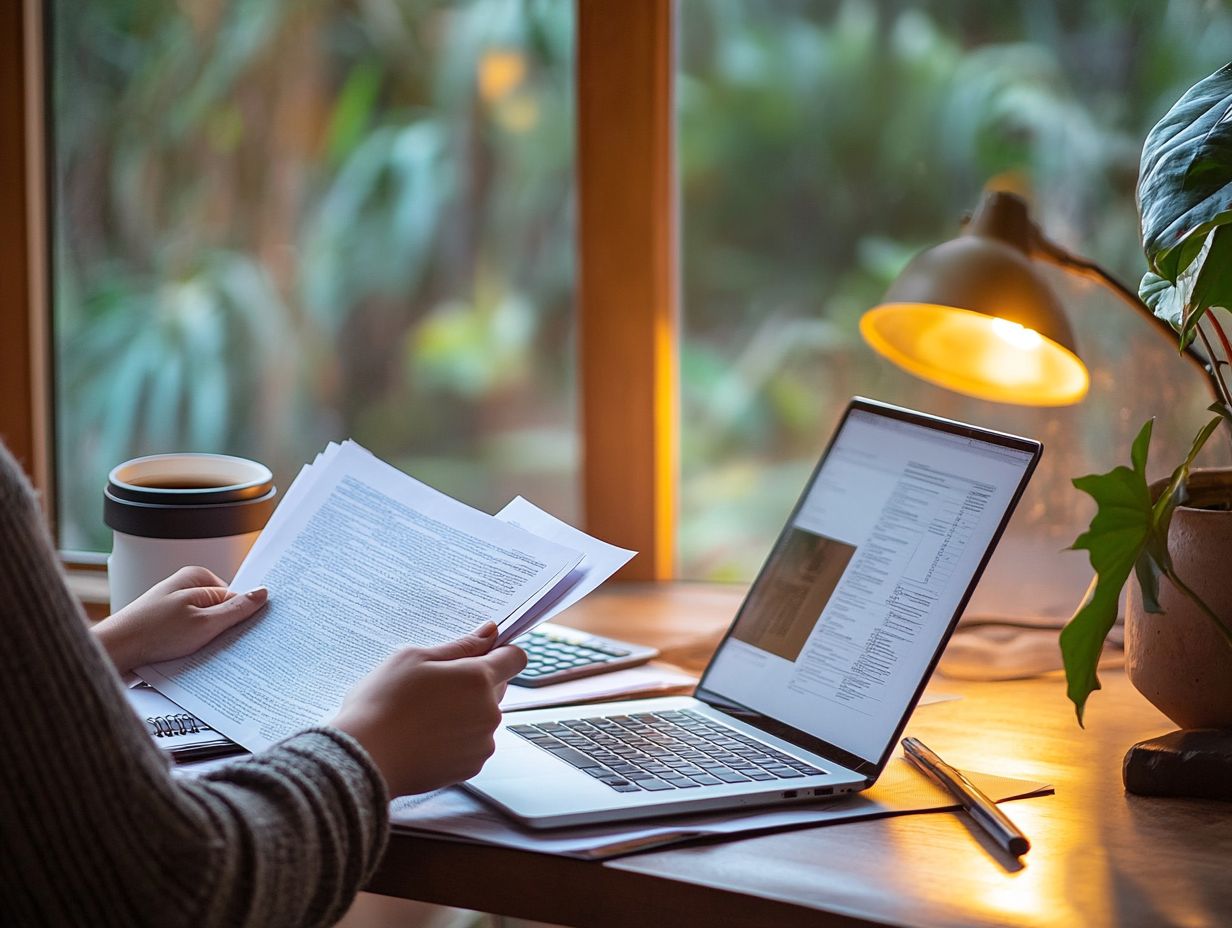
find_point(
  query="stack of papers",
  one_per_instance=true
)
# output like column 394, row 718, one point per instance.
column 648, row 680
column 361, row 560
column 901, row 790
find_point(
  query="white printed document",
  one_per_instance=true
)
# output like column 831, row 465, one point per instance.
column 361, row 560
column 901, row 790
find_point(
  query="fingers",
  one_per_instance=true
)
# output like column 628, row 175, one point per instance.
column 504, row 663
column 236, row 608
column 477, row 643
column 203, row 597
column 187, row 577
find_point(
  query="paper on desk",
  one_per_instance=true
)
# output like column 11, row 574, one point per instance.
column 364, row 561
column 649, row 679
column 901, row 790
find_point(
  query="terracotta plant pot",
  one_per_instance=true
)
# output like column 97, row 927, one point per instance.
column 1178, row 660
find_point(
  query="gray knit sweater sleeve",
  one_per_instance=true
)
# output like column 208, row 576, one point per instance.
column 93, row 828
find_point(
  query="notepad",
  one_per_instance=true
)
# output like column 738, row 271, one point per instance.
column 182, row 735
column 361, row 560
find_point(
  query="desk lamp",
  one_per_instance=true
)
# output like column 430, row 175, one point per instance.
column 975, row 314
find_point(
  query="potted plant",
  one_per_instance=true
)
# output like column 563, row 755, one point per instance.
column 1174, row 537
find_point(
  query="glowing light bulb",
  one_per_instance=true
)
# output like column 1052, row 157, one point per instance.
column 1019, row 336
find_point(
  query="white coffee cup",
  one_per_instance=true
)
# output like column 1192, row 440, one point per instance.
column 168, row 511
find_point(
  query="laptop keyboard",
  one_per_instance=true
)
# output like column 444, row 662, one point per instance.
column 656, row 751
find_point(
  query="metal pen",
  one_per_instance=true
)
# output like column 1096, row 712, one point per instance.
column 978, row 806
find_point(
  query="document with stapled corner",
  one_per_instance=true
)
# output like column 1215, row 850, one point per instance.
column 360, row 560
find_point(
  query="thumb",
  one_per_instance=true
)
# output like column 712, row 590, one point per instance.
column 235, row 609
column 477, row 643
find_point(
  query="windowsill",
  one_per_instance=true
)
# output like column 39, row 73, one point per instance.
column 90, row 587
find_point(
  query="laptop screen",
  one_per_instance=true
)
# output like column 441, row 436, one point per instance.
column 850, row 610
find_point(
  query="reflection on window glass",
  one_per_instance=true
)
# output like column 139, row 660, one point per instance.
column 822, row 144
column 283, row 223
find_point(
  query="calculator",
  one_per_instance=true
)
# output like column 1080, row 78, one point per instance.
column 555, row 653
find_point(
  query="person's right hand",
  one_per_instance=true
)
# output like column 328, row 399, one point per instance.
column 426, row 716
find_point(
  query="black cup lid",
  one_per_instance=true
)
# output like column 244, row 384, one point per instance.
column 155, row 496
column 199, row 520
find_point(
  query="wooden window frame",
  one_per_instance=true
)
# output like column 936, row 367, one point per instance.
column 628, row 293
column 25, row 332
column 627, row 300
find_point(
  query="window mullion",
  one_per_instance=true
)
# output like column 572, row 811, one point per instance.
column 628, row 289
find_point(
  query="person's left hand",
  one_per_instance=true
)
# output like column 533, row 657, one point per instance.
column 174, row 618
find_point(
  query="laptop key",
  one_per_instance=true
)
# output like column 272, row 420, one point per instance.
column 730, row 776
column 759, row 775
column 576, row 758
column 627, row 788
column 703, row 779
column 654, row 785
column 681, row 782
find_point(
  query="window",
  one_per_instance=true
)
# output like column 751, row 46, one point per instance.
column 247, row 162
column 821, row 145
column 280, row 223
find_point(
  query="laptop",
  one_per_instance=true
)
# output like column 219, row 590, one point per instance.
column 813, row 683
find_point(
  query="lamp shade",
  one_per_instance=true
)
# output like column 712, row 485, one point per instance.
column 976, row 316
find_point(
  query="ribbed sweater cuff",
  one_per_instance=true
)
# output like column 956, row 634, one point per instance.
column 325, row 739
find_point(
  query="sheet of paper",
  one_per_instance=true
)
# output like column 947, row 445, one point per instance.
column 290, row 499
column 649, row 679
column 365, row 561
column 599, row 561
column 901, row 790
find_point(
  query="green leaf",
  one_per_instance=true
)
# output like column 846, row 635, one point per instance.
column 1175, row 493
column 1116, row 539
column 353, row 110
column 1165, row 506
column 1222, row 409
column 1185, row 178
column 1147, row 571
column 1207, row 281
column 1129, row 533
column 1168, row 301
column 1164, row 299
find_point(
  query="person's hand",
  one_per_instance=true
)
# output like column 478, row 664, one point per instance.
column 426, row 715
column 174, row 618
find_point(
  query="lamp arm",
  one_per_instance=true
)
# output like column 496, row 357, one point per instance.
column 1054, row 254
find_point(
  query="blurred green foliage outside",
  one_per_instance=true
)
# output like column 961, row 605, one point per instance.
column 280, row 223
column 283, row 223
column 822, row 144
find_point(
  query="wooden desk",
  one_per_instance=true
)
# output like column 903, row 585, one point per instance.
column 1100, row 857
